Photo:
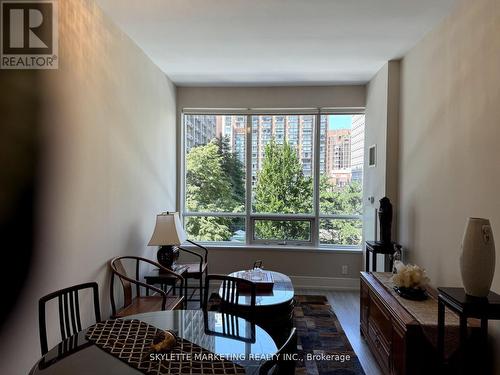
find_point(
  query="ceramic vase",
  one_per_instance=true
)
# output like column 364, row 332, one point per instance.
column 385, row 219
column 477, row 261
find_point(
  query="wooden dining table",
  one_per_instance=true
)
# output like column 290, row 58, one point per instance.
column 210, row 330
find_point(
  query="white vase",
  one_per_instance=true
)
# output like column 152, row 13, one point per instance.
column 477, row 261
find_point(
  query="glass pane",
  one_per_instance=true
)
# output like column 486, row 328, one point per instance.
column 282, row 164
column 340, row 232
column 209, row 228
column 215, row 163
column 282, row 230
column 341, row 164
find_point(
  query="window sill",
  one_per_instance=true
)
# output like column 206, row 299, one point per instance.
column 304, row 249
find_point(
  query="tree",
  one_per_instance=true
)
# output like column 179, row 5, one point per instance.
column 208, row 189
column 282, row 188
column 233, row 168
column 215, row 183
column 345, row 200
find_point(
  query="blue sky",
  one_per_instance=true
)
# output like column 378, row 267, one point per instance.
column 340, row 122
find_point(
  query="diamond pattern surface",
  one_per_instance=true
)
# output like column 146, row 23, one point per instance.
column 130, row 341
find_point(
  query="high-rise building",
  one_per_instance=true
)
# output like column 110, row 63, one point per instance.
column 233, row 128
column 297, row 130
column 200, row 129
column 357, row 147
column 338, row 156
column 341, row 150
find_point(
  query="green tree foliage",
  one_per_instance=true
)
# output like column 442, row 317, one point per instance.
column 345, row 200
column 282, row 188
column 209, row 228
column 233, row 168
column 215, row 182
column 208, row 187
column 212, row 186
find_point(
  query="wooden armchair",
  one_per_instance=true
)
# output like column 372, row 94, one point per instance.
column 142, row 303
column 196, row 270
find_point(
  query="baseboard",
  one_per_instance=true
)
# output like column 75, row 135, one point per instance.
column 325, row 283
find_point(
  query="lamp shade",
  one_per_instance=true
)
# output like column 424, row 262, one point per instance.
column 168, row 230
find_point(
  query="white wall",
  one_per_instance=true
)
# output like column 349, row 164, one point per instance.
column 381, row 130
column 307, row 268
column 449, row 140
column 108, row 142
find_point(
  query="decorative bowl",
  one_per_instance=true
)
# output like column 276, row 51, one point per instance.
column 414, row 294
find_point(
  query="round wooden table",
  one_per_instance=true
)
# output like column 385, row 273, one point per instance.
column 274, row 308
column 77, row 356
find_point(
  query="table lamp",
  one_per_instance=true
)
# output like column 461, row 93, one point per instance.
column 168, row 234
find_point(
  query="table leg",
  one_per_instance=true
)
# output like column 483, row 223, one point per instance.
column 484, row 330
column 484, row 361
column 367, row 260
column 441, row 331
column 374, row 261
column 463, row 341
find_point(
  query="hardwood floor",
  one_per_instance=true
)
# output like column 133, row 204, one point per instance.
column 345, row 304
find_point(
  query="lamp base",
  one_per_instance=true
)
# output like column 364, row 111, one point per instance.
column 167, row 256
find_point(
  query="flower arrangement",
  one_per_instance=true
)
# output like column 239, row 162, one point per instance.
column 409, row 276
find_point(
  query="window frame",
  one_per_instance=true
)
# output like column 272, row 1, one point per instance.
column 251, row 217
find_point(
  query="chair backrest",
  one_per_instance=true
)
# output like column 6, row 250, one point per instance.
column 117, row 269
column 278, row 362
column 230, row 328
column 230, row 291
column 205, row 250
column 69, row 311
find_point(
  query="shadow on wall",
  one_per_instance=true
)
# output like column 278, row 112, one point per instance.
column 20, row 159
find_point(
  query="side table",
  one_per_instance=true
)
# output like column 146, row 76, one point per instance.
column 377, row 247
column 466, row 307
column 166, row 279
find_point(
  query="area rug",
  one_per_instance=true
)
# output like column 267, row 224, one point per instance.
column 323, row 347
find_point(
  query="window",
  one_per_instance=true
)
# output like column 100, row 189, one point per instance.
column 304, row 183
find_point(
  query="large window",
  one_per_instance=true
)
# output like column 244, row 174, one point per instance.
column 288, row 179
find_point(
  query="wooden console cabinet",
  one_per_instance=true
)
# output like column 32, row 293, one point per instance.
column 393, row 335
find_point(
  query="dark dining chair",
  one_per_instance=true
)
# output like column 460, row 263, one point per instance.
column 278, row 364
column 230, row 328
column 227, row 299
column 69, row 311
column 141, row 303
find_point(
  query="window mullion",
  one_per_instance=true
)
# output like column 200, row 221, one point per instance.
column 248, row 194
column 316, row 175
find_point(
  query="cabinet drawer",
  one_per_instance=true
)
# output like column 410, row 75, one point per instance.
column 379, row 347
column 381, row 319
column 365, row 301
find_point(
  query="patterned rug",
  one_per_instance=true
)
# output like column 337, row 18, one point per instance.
column 323, row 347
